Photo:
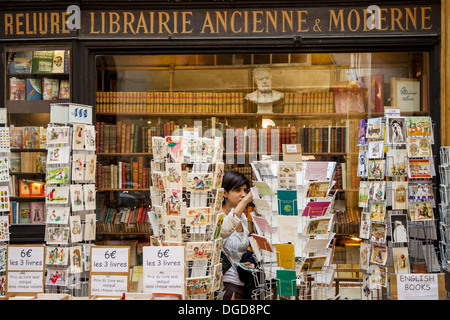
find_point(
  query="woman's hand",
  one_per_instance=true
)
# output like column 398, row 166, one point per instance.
column 248, row 198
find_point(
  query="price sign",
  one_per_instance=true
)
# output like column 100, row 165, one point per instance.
column 79, row 113
column 110, row 259
column 25, row 258
column 163, row 269
column 110, row 270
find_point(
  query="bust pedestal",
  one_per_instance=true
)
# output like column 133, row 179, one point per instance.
column 265, row 107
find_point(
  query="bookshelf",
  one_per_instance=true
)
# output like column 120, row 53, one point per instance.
column 36, row 76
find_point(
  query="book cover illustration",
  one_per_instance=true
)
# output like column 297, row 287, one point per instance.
column 57, row 277
column 58, row 175
column 58, row 155
column 364, row 229
column 76, row 197
column 362, row 141
column 57, row 135
column 50, row 89
column 287, row 176
column 30, row 137
column 379, row 254
column 198, row 285
column 199, row 250
column 419, row 147
column 56, row 255
column 172, row 228
column 374, row 128
column 363, row 163
column 90, row 169
column 287, row 202
column 57, row 215
column 377, row 211
column 42, row 62
column 19, row 62
column 217, row 226
column 405, row 94
column 262, row 224
column 78, row 136
column 199, row 181
column 17, row 89
column 15, row 162
column 399, row 228
column 376, row 169
column 90, row 227
column 317, row 226
column 399, row 195
column 4, row 199
column 263, row 188
column 4, row 169
column 317, row 189
column 64, row 89
column 218, row 200
column 75, row 228
column 421, row 211
column 374, row 93
column 376, row 149
column 37, row 212
column 262, row 242
column 173, row 175
column 4, row 228
column 78, row 166
column 420, row 191
column 42, row 138
column 57, row 195
column 16, row 137
column 396, row 130
column 419, row 168
column 316, row 208
column 313, row 264
column 364, row 187
column 285, row 255
column 286, row 283
column 76, row 259
column 24, row 213
column 33, row 89
column 378, row 232
column 89, row 196
column 2, row 259
column 58, row 61
column 397, row 160
column 198, row 216
column 89, row 137
column 400, row 256
column 57, row 235
column 419, row 127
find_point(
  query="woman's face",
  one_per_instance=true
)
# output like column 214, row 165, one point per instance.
column 235, row 195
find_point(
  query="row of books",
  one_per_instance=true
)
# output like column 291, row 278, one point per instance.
column 39, row 89
column 123, row 220
column 28, row 162
column 323, row 139
column 309, row 102
column 170, row 102
column 123, row 175
column 51, row 61
column 27, row 212
column 347, row 221
column 28, row 137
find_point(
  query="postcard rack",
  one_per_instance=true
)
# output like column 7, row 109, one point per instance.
column 186, row 198
column 70, row 201
column 5, row 153
column 396, row 194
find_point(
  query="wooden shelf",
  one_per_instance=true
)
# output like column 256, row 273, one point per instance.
column 15, row 198
column 31, row 106
column 121, row 190
column 119, row 154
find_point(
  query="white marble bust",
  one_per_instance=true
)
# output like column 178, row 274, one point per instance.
column 264, row 96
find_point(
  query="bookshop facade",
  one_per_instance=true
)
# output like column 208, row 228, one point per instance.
column 330, row 110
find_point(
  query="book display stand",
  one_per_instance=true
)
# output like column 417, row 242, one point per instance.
column 295, row 199
column 444, row 206
column 186, row 197
column 70, row 198
column 396, row 194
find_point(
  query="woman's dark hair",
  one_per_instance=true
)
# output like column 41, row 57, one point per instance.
column 232, row 180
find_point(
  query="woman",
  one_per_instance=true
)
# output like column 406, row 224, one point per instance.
column 234, row 231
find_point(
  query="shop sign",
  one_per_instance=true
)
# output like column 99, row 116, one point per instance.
column 221, row 23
